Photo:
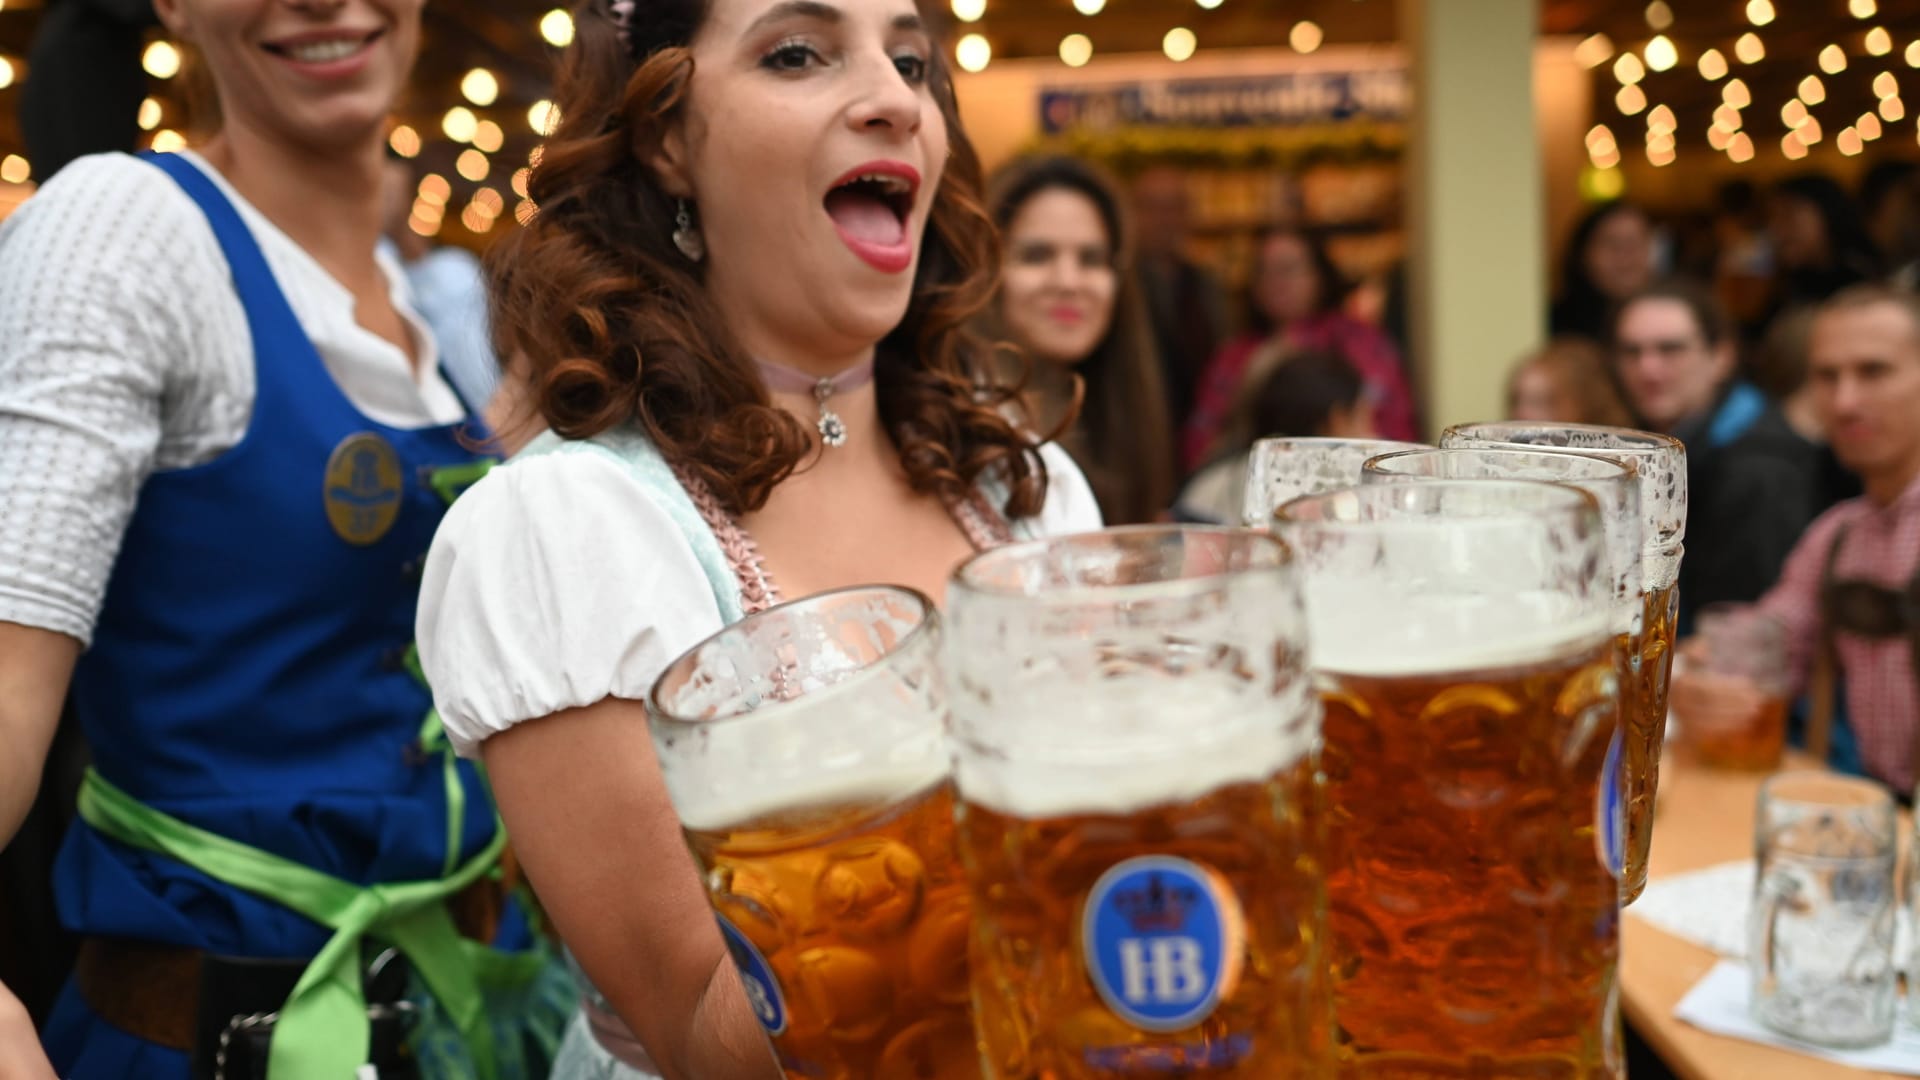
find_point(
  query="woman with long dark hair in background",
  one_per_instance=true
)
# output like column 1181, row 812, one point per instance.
column 1069, row 304
column 1820, row 240
column 1296, row 300
column 1609, row 257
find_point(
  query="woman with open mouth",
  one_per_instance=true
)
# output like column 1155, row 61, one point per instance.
column 740, row 311
column 225, row 445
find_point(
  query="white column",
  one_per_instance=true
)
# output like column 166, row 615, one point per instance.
column 1476, row 214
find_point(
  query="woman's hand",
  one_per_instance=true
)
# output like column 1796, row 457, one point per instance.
column 20, row 1055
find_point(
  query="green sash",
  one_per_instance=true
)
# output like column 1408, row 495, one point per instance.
column 322, row 1031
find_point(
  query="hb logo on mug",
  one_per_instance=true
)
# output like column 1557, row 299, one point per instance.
column 1163, row 940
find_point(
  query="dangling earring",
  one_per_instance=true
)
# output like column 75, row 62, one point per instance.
column 686, row 237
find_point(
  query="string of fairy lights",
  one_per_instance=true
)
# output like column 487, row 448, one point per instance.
column 1863, row 50
column 973, row 52
column 1856, row 54
column 498, row 186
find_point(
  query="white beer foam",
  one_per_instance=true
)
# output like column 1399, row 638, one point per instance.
column 1139, row 745
column 1370, row 630
column 747, row 802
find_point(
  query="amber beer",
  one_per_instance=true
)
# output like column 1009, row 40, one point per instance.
column 1140, row 817
column 859, row 914
column 1643, row 716
column 804, row 750
column 1757, row 745
column 1464, row 649
column 1466, row 892
column 1246, row 849
column 1660, row 461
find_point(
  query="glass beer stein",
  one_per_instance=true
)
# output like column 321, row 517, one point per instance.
column 1661, row 463
column 804, row 749
column 1135, row 739
column 1462, row 641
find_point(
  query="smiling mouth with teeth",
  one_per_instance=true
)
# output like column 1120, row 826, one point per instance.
column 323, row 52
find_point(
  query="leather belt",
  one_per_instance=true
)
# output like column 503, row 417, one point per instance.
column 152, row 992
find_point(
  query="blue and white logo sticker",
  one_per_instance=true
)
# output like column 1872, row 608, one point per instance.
column 756, row 975
column 1163, row 939
column 1610, row 824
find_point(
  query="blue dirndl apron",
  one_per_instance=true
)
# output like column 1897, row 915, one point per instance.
column 251, row 686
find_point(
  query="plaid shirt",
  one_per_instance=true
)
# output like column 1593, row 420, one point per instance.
column 1882, row 546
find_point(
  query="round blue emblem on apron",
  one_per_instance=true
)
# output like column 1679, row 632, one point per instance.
column 756, row 975
column 1163, row 940
column 362, row 488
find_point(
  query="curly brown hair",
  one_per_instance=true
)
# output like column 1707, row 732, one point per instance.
column 615, row 327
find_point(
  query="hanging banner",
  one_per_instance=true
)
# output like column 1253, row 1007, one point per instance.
column 1279, row 100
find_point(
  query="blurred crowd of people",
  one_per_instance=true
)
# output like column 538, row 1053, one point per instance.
column 283, row 540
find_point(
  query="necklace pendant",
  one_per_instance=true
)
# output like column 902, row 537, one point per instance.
column 833, row 430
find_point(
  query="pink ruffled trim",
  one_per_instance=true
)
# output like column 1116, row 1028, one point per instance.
column 984, row 526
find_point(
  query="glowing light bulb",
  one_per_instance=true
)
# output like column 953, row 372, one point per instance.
column 973, row 53
column 556, row 27
column 161, row 60
column 405, row 141
column 1597, row 49
column 480, row 87
column 1076, row 50
column 460, row 124
column 1661, row 54
column 473, row 165
column 1179, row 44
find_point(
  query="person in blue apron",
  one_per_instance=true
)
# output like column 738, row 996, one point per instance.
column 224, row 449
column 742, row 315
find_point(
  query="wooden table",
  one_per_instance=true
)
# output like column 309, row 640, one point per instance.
column 1705, row 817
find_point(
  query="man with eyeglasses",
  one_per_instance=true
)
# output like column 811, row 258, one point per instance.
column 1851, row 588
column 1750, row 476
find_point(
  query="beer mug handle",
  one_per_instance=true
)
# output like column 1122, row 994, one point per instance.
column 1770, row 893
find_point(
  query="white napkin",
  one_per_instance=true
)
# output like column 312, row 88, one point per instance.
column 1709, row 908
column 1718, row 1004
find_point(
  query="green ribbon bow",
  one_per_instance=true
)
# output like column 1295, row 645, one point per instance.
column 322, row 1032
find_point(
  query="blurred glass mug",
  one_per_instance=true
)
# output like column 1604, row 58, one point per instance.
column 1733, row 710
column 1820, row 936
column 1282, row 470
column 1660, row 462
column 805, row 752
column 1135, row 741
